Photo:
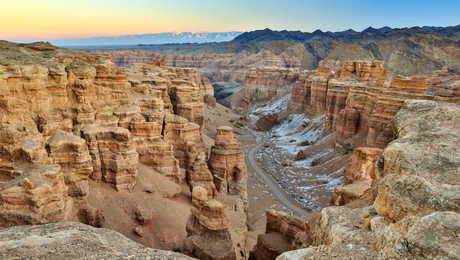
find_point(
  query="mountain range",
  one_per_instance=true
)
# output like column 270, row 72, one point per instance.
column 156, row 38
column 451, row 32
column 405, row 51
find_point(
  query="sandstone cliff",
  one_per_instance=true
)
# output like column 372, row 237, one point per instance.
column 217, row 228
column 361, row 98
column 217, row 67
column 82, row 140
column 280, row 235
column 414, row 212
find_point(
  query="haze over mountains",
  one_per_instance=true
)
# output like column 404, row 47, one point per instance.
column 154, row 38
column 266, row 35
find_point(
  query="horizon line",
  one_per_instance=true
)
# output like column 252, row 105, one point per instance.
column 30, row 39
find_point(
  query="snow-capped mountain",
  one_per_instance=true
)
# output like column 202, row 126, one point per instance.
column 157, row 38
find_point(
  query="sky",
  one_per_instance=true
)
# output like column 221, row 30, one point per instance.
column 25, row 20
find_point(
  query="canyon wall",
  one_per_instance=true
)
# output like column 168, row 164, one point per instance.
column 376, row 214
column 404, row 202
column 262, row 84
column 361, row 98
column 281, row 235
column 73, row 127
column 216, row 67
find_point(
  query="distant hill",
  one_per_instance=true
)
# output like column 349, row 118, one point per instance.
column 405, row 51
column 150, row 39
column 267, row 35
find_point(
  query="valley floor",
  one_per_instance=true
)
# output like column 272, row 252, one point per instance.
column 270, row 186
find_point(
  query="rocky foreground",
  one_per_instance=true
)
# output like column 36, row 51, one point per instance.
column 71, row 240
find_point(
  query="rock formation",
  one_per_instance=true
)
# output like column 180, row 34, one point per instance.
column 113, row 154
column 219, row 193
column 426, row 132
column 70, row 240
column 199, row 175
column 301, row 92
column 75, row 130
column 71, row 153
column 264, row 83
column 208, row 229
column 414, row 189
column 228, row 165
column 216, row 67
column 271, row 76
column 358, row 177
column 360, row 98
column 33, row 194
column 281, row 235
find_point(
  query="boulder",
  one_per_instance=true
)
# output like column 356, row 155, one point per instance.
column 419, row 171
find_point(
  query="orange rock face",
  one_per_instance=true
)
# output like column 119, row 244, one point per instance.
column 263, row 83
column 358, row 177
column 71, row 153
column 363, row 70
column 348, row 122
column 217, row 67
column 35, row 194
column 208, row 235
column 281, row 233
column 227, row 164
column 271, row 76
column 360, row 98
column 70, row 120
column 319, row 93
column 199, row 175
column 301, row 92
column 113, row 154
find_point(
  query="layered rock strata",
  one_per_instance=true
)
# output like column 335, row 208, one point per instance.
column 208, row 229
column 35, row 194
column 264, row 83
column 71, row 122
column 71, row 153
column 113, row 155
column 361, row 98
column 358, row 177
column 414, row 191
column 219, row 194
column 216, row 67
column 281, row 235
column 227, row 164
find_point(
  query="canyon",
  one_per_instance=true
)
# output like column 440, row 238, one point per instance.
column 384, row 128
column 84, row 141
column 340, row 161
column 406, row 51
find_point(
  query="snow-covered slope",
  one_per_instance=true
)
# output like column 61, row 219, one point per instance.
column 299, row 153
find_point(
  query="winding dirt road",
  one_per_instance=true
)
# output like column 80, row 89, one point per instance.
column 271, row 183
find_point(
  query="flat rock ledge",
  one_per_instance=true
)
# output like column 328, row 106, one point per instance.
column 71, row 240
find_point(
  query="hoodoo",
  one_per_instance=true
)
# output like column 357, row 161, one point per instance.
column 75, row 131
